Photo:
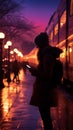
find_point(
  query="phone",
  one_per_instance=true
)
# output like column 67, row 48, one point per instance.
column 28, row 66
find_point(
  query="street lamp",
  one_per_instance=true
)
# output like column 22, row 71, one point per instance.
column 9, row 43
column 2, row 36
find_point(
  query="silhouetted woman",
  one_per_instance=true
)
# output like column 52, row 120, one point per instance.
column 44, row 93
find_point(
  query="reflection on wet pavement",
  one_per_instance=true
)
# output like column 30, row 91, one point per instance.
column 17, row 114
column 7, row 98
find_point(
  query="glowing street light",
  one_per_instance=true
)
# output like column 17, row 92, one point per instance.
column 9, row 43
column 2, row 36
column 6, row 46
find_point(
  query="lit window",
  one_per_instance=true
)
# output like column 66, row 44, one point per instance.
column 51, row 36
column 56, row 29
column 71, row 7
column 63, row 19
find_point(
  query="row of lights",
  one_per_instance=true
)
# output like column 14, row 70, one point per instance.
column 9, row 43
column 2, row 36
column 15, row 50
column 7, row 46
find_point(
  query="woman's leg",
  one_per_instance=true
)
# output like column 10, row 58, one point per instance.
column 14, row 77
column 45, row 115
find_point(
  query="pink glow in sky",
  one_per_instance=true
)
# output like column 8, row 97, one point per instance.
column 39, row 12
column 33, row 17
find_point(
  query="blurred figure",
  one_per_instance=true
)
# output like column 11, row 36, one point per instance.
column 45, row 89
column 15, row 69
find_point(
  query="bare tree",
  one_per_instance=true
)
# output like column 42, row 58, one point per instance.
column 16, row 27
column 7, row 6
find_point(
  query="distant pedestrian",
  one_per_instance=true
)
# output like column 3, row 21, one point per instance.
column 15, row 69
column 45, row 89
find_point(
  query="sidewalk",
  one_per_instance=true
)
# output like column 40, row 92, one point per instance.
column 15, row 111
column 17, row 114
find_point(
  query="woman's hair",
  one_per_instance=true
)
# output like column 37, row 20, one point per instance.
column 42, row 40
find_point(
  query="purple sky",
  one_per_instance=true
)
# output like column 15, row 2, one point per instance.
column 39, row 11
column 31, row 17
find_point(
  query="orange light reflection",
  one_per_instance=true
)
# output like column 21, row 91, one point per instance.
column 6, row 102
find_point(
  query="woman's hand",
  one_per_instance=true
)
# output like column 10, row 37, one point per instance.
column 33, row 71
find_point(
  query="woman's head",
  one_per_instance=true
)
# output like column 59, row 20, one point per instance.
column 42, row 40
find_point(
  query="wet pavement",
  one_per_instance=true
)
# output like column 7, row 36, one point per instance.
column 17, row 114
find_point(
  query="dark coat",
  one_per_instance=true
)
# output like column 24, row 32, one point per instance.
column 43, row 96
column 45, row 92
